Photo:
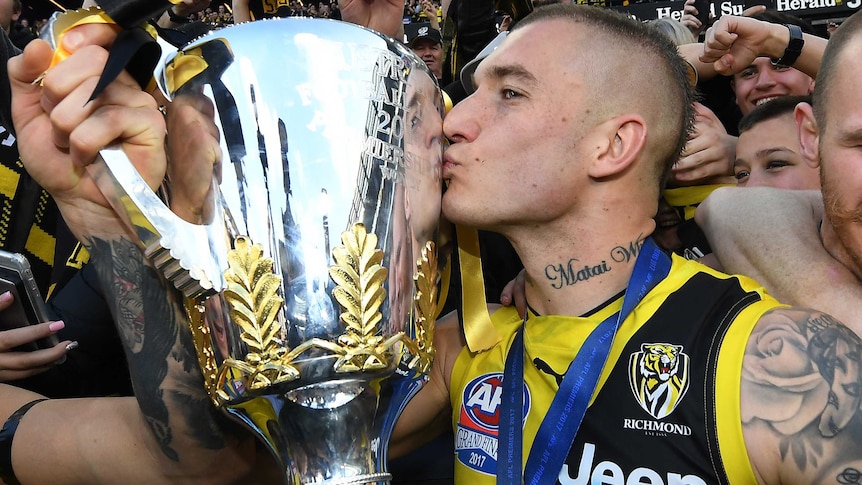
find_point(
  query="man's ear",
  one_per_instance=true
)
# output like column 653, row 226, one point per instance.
column 622, row 141
column 808, row 133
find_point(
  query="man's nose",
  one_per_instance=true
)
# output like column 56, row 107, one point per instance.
column 765, row 78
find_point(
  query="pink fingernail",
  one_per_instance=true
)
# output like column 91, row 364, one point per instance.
column 6, row 297
column 57, row 326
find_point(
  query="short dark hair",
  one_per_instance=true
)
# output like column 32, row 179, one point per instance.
column 632, row 39
column 771, row 110
column 829, row 64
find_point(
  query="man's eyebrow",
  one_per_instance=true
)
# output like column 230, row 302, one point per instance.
column 511, row 71
column 769, row 151
column 850, row 137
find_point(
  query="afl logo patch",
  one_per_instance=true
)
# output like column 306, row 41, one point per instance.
column 479, row 421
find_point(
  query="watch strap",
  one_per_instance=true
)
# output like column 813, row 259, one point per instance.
column 794, row 47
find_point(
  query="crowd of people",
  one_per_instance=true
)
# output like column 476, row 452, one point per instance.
column 689, row 255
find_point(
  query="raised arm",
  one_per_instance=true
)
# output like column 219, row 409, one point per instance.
column 801, row 384
column 384, row 16
column 734, row 42
column 241, row 12
column 772, row 236
column 170, row 432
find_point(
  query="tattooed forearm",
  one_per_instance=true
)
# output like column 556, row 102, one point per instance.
column 167, row 383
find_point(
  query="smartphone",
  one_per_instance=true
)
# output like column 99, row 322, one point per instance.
column 28, row 307
column 702, row 7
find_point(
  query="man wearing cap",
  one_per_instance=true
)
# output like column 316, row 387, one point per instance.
column 427, row 43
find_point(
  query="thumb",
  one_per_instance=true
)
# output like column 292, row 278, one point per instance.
column 26, row 68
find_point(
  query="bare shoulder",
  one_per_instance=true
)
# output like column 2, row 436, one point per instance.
column 801, row 391
column 728, row 206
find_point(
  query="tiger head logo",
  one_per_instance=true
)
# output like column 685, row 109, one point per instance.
column 658, row 376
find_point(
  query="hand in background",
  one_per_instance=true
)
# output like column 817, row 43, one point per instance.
column 709, row 153
column 384, row 16
column 16, row 365
column 690, row 20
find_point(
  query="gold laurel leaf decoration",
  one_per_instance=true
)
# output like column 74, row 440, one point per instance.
column 203, row 348
column 359, row 279
column 252, row 292
column 427, row 274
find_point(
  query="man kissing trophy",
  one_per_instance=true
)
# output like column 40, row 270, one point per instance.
column 311, row 285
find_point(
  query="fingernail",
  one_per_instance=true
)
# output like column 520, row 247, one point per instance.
column 72, row 346
column 6, row 297
column 57, row 326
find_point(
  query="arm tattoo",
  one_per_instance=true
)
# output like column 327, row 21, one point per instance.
column 810, row 369
column 167, row 382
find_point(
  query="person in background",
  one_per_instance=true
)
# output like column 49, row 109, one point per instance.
column 768, row 153
column 805, row 246
column 427, row 43
column 178, row 15
column 247, row 10
column 18, row 28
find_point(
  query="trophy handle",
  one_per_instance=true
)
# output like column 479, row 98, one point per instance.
column 189, row 255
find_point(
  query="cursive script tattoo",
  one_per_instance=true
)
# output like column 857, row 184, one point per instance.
column 167, row 381
column 624, row 254
column 571, row 272
column 849, row 476
column 811, row 362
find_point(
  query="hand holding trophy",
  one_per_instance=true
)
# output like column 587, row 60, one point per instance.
column 309, row 267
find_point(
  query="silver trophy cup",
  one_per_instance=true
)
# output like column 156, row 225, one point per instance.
column 311, row 286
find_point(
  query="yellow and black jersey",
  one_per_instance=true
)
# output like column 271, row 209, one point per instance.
column 267, row 9
column 30, row 222
column 666, row 409
column 28, row 215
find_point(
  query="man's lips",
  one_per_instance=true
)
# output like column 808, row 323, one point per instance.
column 448, row 165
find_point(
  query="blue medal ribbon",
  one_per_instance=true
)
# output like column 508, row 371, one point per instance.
column 560, row 425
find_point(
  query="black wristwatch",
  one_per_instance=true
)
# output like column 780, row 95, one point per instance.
column 794, row 47
column 177, row 19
